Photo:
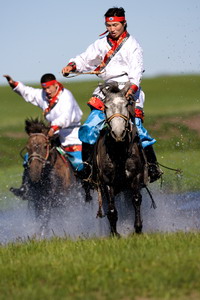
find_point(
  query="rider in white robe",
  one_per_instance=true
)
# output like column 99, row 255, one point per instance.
column 116, row 57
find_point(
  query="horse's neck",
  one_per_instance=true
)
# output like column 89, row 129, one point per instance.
column 52, row 156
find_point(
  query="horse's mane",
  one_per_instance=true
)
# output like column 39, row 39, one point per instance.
column 36, row 126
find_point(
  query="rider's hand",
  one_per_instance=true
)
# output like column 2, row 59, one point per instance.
column 66, row 70
column 130, row 94
column 10, row 81
column 50, row 133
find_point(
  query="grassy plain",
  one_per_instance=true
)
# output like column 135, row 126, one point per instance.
column 143, row 267
column 150, row 266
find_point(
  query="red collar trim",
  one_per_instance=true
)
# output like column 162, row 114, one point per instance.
column 115, row 45
column 54, row 100
column 117, row 42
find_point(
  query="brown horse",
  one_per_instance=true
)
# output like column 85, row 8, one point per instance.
column 50, row 176
column 119, row 162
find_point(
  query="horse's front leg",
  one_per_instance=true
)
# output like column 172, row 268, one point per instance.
column 112, row 213
column 137, row 200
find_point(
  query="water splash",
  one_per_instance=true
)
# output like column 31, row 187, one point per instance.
column 76, row 218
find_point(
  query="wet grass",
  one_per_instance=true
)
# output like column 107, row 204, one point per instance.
column 150, row 266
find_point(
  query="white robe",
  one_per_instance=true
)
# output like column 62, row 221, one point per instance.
column 126, row 65
column 65, row 114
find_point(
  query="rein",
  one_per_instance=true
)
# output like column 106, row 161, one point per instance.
column 38, row 156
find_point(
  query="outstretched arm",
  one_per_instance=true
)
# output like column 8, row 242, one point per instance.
column 11, row 82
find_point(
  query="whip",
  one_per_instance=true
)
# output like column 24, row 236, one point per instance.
column 74, row 74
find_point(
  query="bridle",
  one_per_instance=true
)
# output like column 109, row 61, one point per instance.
column 128, row 126
column 108, row 120
column 117, row 115
column 35, row 155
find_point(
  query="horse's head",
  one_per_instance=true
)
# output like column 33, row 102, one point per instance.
column 38, row 147
column 117, row 110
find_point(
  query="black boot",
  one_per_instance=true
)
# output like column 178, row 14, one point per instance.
column 22, row 191
column 87, row 157
column 86, row 173
column 154, row 171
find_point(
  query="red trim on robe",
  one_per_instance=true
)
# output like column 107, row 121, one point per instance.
column 55, row 127
column 134, row 87
column 73, row 148
column 96, row 103
column 139, row 114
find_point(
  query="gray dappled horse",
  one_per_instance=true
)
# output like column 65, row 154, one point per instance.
column 119, row 163
column 49, row 177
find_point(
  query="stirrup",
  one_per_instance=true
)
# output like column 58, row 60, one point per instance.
column 86, row 173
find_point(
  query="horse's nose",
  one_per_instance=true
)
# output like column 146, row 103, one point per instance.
column 118, row 137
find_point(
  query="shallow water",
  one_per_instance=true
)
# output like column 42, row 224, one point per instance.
column 76, row 218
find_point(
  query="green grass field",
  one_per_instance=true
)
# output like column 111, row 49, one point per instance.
column 145, row 267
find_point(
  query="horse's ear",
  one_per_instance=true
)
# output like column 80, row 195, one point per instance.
column 126, row 88
column 108, row 88
column 104, row 88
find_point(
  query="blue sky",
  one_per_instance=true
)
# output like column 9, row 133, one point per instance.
column 41, row 36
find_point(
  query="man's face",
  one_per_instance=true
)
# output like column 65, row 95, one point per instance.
column 51, row 90
column 115, row 29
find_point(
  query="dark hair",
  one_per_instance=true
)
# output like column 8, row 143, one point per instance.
column 116, row 11
column 47, row 77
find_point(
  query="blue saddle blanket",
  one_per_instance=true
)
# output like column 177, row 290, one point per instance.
column 90, row 130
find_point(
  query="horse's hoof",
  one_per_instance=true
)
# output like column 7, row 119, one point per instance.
column 88, row 198
column 115, row 234
column 138, row 230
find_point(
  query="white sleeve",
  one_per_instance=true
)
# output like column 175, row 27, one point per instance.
column 30, row 94
column 136, row 67
column 88, row 60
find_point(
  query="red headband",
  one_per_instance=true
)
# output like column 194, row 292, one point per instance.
column 115, row 19
column 48, row 83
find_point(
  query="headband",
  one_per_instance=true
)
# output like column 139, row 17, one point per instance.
column 115, row 19
column 48, row 83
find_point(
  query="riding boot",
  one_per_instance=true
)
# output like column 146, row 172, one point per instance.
column 22, row 191
column 154, row 171
column 87, row 157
